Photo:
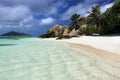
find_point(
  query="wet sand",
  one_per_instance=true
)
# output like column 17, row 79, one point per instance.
column 103, row 55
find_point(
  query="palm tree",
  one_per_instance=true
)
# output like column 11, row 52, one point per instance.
column 95, row 16
column 75, row 21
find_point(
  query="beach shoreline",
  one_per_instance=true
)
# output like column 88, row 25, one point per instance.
column 110, row 44
column 103, row 48
column 98, row 54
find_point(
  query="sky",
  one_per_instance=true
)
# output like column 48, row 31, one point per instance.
column 37, row 16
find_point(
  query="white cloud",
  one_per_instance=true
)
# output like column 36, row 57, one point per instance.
column 14, row 13
column 92, row 1
column 0, row 26
column 25, row 23
column 105, row 7
column 16, row 17
column 26, row 20
column 97, row 1
column 81, row 9
column 19, row 13
column 47, row 21
column 43, row 7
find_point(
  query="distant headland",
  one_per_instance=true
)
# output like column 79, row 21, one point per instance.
column 13, row 33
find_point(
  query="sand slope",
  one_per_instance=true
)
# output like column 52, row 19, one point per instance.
column 111, row 44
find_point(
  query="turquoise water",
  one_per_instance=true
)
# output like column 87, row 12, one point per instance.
column 36, row 59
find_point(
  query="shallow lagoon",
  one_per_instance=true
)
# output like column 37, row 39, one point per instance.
column 36, row 59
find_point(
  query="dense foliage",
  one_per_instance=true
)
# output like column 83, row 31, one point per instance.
column 111, row 19
column 74, row 21
column 106, row 23
column 95, row 15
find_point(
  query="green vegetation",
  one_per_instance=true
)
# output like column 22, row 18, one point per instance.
column 95, row 16
column 106, row 23
column 111, row 19
column 74, row 21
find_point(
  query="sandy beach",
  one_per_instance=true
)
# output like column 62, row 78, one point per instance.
column 104, row 50
column 104, row 47
column 110, row 44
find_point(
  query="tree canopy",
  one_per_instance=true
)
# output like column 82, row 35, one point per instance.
column 105, row 23
column 75, row 21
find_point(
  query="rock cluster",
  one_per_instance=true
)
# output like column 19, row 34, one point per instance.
column 56, row 31
column 62, row 32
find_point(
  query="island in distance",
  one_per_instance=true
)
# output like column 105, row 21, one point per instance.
column 13, row 33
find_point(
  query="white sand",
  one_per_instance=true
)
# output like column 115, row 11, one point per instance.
column 105, row 51
column 111, row 44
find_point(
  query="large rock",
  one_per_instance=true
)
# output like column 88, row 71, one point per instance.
column 83, row 20
column 74, row 33
column 65, row 32
column 56, row 31
column 84, row 26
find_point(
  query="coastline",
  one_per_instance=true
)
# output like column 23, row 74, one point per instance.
column 110, row 44
column 98, row 54
column 104, row 48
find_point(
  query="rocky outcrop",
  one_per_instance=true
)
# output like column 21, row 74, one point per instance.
column 84, row 26
column 56, row 31
column 74, row 33
column 65, row 32
column 83, row 20
column 13, row 33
